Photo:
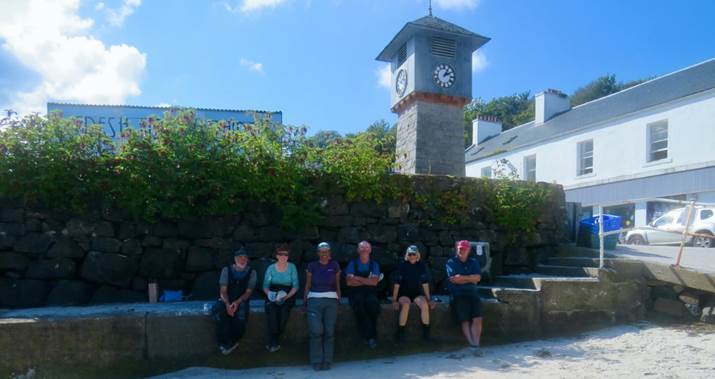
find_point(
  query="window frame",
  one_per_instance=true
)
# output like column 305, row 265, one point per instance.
column 580, row 158
column 481, row 172
column 526, row 167
column 650, row 131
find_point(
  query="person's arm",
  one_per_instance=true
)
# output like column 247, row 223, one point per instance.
column 249, row 289
column 350, row 279
column 223, row 294
column 337, row 285
column 267, row 280
column 223, row 287
column 308, row 280
column 395, row 291
column 293, row 281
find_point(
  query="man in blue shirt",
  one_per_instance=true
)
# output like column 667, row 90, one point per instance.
column 464, row 273
column 362, row 276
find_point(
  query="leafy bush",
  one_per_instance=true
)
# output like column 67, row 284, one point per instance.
column 181, row 166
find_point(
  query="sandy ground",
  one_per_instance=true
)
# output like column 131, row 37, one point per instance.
column 634, row 351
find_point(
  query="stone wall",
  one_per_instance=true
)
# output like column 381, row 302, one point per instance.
column 55, row 258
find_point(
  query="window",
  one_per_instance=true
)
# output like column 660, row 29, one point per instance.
column 657, row 141
column 444, row 47
column 530, row 168
column 663, row 221
column 706, row 213
column 585, row 157
column 402, row 54
column 486, row 172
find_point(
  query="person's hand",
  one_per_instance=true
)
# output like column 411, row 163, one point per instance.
column 432, row 304
column 395, row 305
column 456, row 279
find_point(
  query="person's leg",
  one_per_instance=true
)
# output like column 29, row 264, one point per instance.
column 424, row 315
column 330, row 316
column 372, row 305
column 272, row 321
column 467, row 331
column 424, row 309
column 404, row 309
column 284, row 314
column 463, row 317
column 239, row 322
column 357, row 303
column 476, row 331
column 314, row 317
column 222, row 322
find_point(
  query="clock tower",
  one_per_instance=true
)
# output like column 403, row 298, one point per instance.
column 431, row 65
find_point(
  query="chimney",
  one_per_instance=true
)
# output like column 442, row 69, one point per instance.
column 549, row 104
column 484, row 127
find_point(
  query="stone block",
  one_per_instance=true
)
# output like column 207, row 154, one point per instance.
column 58, row 268
column 112, row 295
column 708, row 315
column 200, row 259
column 132, row 248
column 349, row 235
column 166, row 230
column 333, row 206
column 23, row 293
column 670, row 307
column 78, row 228
column 206, row 286
column 161, row 264
column 127, row 230
column 214, row 243
column 7, row 242
column 176, row 244
column 106, row 245
column 103, row 229
column 34, row 244
column 381, row 234
column 70, row 292
column 12, row 215
column 66, row 247
column 10, row 261
column 107, row 268
column 152, row 241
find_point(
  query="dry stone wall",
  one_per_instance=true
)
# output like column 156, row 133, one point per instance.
column 52, row 258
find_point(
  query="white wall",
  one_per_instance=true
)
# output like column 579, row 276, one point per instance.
column 620, row 147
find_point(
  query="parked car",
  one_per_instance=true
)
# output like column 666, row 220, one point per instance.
column 668, row 229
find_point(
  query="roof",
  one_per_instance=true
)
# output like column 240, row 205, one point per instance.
column 663, row 89
column 428, row 23
column 161, row 107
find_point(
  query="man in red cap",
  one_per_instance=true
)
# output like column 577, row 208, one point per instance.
column 464, row 273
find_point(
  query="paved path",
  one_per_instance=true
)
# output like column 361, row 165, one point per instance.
column 696, row 258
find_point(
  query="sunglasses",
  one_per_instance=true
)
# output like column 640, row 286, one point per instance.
column 282, row 254
column 411, row 254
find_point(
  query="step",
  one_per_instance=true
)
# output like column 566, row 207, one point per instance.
column 573, row 261
column 514, row 281
column 566, row 271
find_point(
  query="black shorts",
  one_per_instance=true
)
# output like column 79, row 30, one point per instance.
column 466, row 307
column 409, row 295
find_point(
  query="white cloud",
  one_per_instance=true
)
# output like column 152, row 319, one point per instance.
column 252, row 66
column 248, row 6
column 99, row 6
column 456, row 4
column 384, row 76
column 479, row 61
column 50, row 38
column 116, row 17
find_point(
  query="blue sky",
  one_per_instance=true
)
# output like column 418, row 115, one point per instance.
column 314, row 59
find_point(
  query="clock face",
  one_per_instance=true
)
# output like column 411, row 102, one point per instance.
column 401, row 82
column 444, row 75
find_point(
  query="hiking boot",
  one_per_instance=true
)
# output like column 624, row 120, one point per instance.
column 425, row 332
column 317, row 366
column 400, row 334
column 476, row 351
column 327, row 365
column 372, row 343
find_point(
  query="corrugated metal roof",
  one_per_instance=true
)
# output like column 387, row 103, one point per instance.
column 429, row 23
column 163, row 108
column 670, row 87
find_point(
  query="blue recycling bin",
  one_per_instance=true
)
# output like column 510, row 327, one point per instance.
column 588, row 232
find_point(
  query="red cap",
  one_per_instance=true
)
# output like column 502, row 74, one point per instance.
column 464, row 244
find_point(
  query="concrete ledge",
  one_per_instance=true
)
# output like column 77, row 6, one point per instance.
column 184, row 332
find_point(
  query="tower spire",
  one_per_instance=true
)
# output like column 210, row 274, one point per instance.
column 430, row 8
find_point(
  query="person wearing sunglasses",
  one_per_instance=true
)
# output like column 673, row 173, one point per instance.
column 321, row 299
column 362, row 277
column 464, row 273
column 280, row 284
column 411, row 285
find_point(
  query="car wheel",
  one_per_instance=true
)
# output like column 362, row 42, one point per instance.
column 704, row 241
column 636, row 240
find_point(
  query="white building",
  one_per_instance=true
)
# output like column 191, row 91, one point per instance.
column 656, row 139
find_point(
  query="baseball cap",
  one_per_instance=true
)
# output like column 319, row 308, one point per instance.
column 464, row 244
column 412, row 249
column 323, row 245
column 240, row 253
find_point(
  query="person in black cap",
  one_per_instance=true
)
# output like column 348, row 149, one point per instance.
column 236, row 282
column 411, row 286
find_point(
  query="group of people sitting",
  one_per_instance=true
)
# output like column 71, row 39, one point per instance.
column 322, row 294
